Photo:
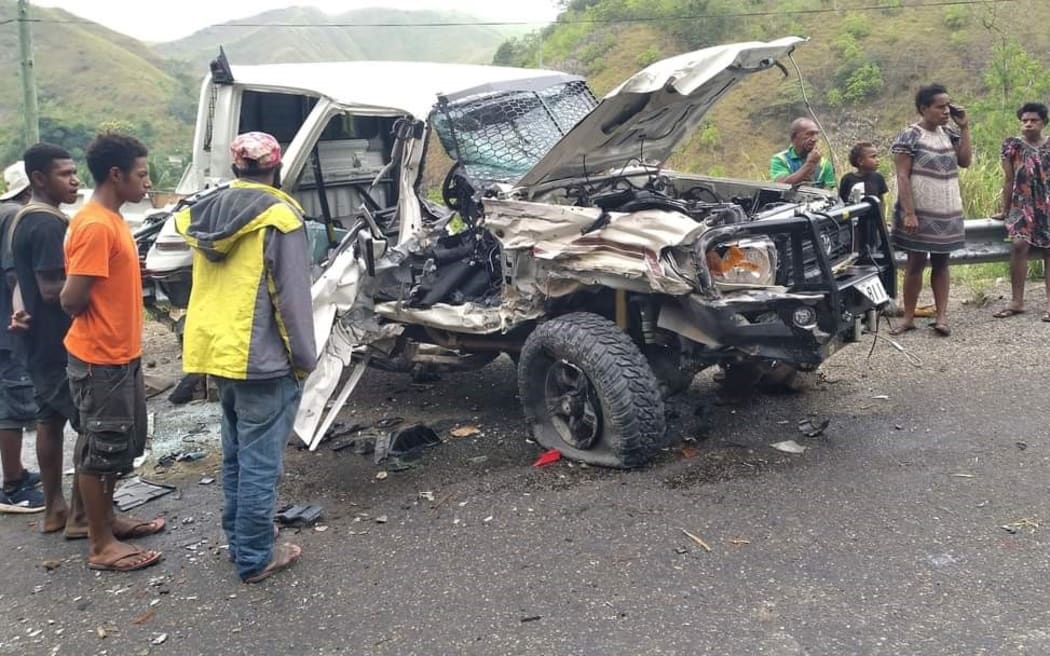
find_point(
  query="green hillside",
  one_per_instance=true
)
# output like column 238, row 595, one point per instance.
column 861, row 68
column 351, row 35
column 89, row 77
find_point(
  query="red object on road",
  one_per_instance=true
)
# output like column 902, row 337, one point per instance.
column 547, row 457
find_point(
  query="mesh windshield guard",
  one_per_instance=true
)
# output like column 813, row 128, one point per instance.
column 500, row 136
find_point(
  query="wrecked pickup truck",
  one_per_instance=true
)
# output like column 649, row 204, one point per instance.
column 562, row 241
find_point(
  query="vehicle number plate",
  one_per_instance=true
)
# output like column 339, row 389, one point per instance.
column 873, row 289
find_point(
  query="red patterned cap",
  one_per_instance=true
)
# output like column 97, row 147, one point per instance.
column 261, row 148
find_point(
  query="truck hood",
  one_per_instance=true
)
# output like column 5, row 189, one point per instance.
column 647, row 116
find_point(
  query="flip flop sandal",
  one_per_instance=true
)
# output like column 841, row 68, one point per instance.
column 142, row 529
column 139, row 530
column 1007, row 312
column 291, row 554
column 941, row 329
column 152, row 558
column 900, row 330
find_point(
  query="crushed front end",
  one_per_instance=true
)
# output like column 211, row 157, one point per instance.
column 789, row 284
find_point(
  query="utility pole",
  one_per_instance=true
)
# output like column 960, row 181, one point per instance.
column 25, row 45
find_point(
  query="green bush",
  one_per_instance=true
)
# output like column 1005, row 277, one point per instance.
column 847, row 46
column 863, row 82
column 857, row 25
column 648, row 56
column 956, row 17
column 709, row 136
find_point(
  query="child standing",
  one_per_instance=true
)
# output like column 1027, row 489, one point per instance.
column 866, row 178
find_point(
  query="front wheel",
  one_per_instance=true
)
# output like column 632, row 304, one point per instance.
column 588, row 391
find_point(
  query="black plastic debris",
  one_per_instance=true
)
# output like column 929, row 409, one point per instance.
column 809, row 428
column 136, row 491
column 298, row 515
column 361, row 444
column 389, row 422
column 186, row 389
column 406, row 443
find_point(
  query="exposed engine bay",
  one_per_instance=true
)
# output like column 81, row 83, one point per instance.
column 463, row 257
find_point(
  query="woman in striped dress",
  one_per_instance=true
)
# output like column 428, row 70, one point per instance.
column 928, row 215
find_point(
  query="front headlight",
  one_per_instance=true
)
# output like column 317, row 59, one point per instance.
column 749, row 262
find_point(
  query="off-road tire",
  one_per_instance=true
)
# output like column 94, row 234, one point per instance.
column 632, row 421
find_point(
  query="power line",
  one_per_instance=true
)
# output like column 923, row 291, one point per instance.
column 579, row 21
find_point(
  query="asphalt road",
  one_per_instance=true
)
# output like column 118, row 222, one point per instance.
column 885, row 537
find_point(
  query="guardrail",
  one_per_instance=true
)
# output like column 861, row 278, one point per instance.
column 985, row 242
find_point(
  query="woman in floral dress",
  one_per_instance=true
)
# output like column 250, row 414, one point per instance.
column 928, row 215
column 1026, row 202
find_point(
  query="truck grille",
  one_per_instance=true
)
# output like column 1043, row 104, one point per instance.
column 835, row 237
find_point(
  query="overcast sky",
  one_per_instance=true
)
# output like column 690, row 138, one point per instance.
column 152, row 20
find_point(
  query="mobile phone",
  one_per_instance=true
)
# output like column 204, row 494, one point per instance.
column 954, row 110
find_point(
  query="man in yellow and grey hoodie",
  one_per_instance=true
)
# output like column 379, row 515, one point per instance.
column 250, row 326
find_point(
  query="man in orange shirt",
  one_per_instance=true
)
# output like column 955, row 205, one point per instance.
column 103, row 294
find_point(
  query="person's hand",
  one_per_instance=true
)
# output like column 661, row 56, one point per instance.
column 960, row 117
column 20, row 321
column 813, row 158
column 911, row 223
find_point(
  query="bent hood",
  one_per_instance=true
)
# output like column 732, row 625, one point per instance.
column 647, row 116
column 215, row 222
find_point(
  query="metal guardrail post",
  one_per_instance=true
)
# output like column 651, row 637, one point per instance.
column 986, row 241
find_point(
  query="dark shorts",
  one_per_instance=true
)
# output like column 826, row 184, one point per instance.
column 112, row 404
column 17, row 406
column 54, row 402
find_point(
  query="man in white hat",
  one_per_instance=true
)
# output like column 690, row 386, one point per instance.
column 17, row 407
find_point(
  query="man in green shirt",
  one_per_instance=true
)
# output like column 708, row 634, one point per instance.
column 802, row 162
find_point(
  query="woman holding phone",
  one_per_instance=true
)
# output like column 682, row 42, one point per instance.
column 928, row 214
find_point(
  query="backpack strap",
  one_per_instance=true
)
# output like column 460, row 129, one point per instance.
column 31, row 208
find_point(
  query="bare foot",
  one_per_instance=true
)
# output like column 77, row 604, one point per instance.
column 54, row 521
column 284, row 556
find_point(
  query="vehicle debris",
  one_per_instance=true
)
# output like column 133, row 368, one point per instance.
column 51, row 565
column 136, row 491
column 789, row 446
column 406, row 443
column 297, row 515
column 548, row 457
column 159, row 639
column 810, row 429
column 207, row 480
column 697, row 539
column 1016, row 527
column 464, row 431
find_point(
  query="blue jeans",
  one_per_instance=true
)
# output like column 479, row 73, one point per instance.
column 257, row 419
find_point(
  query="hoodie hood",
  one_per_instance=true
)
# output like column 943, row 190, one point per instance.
column 215, row 222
